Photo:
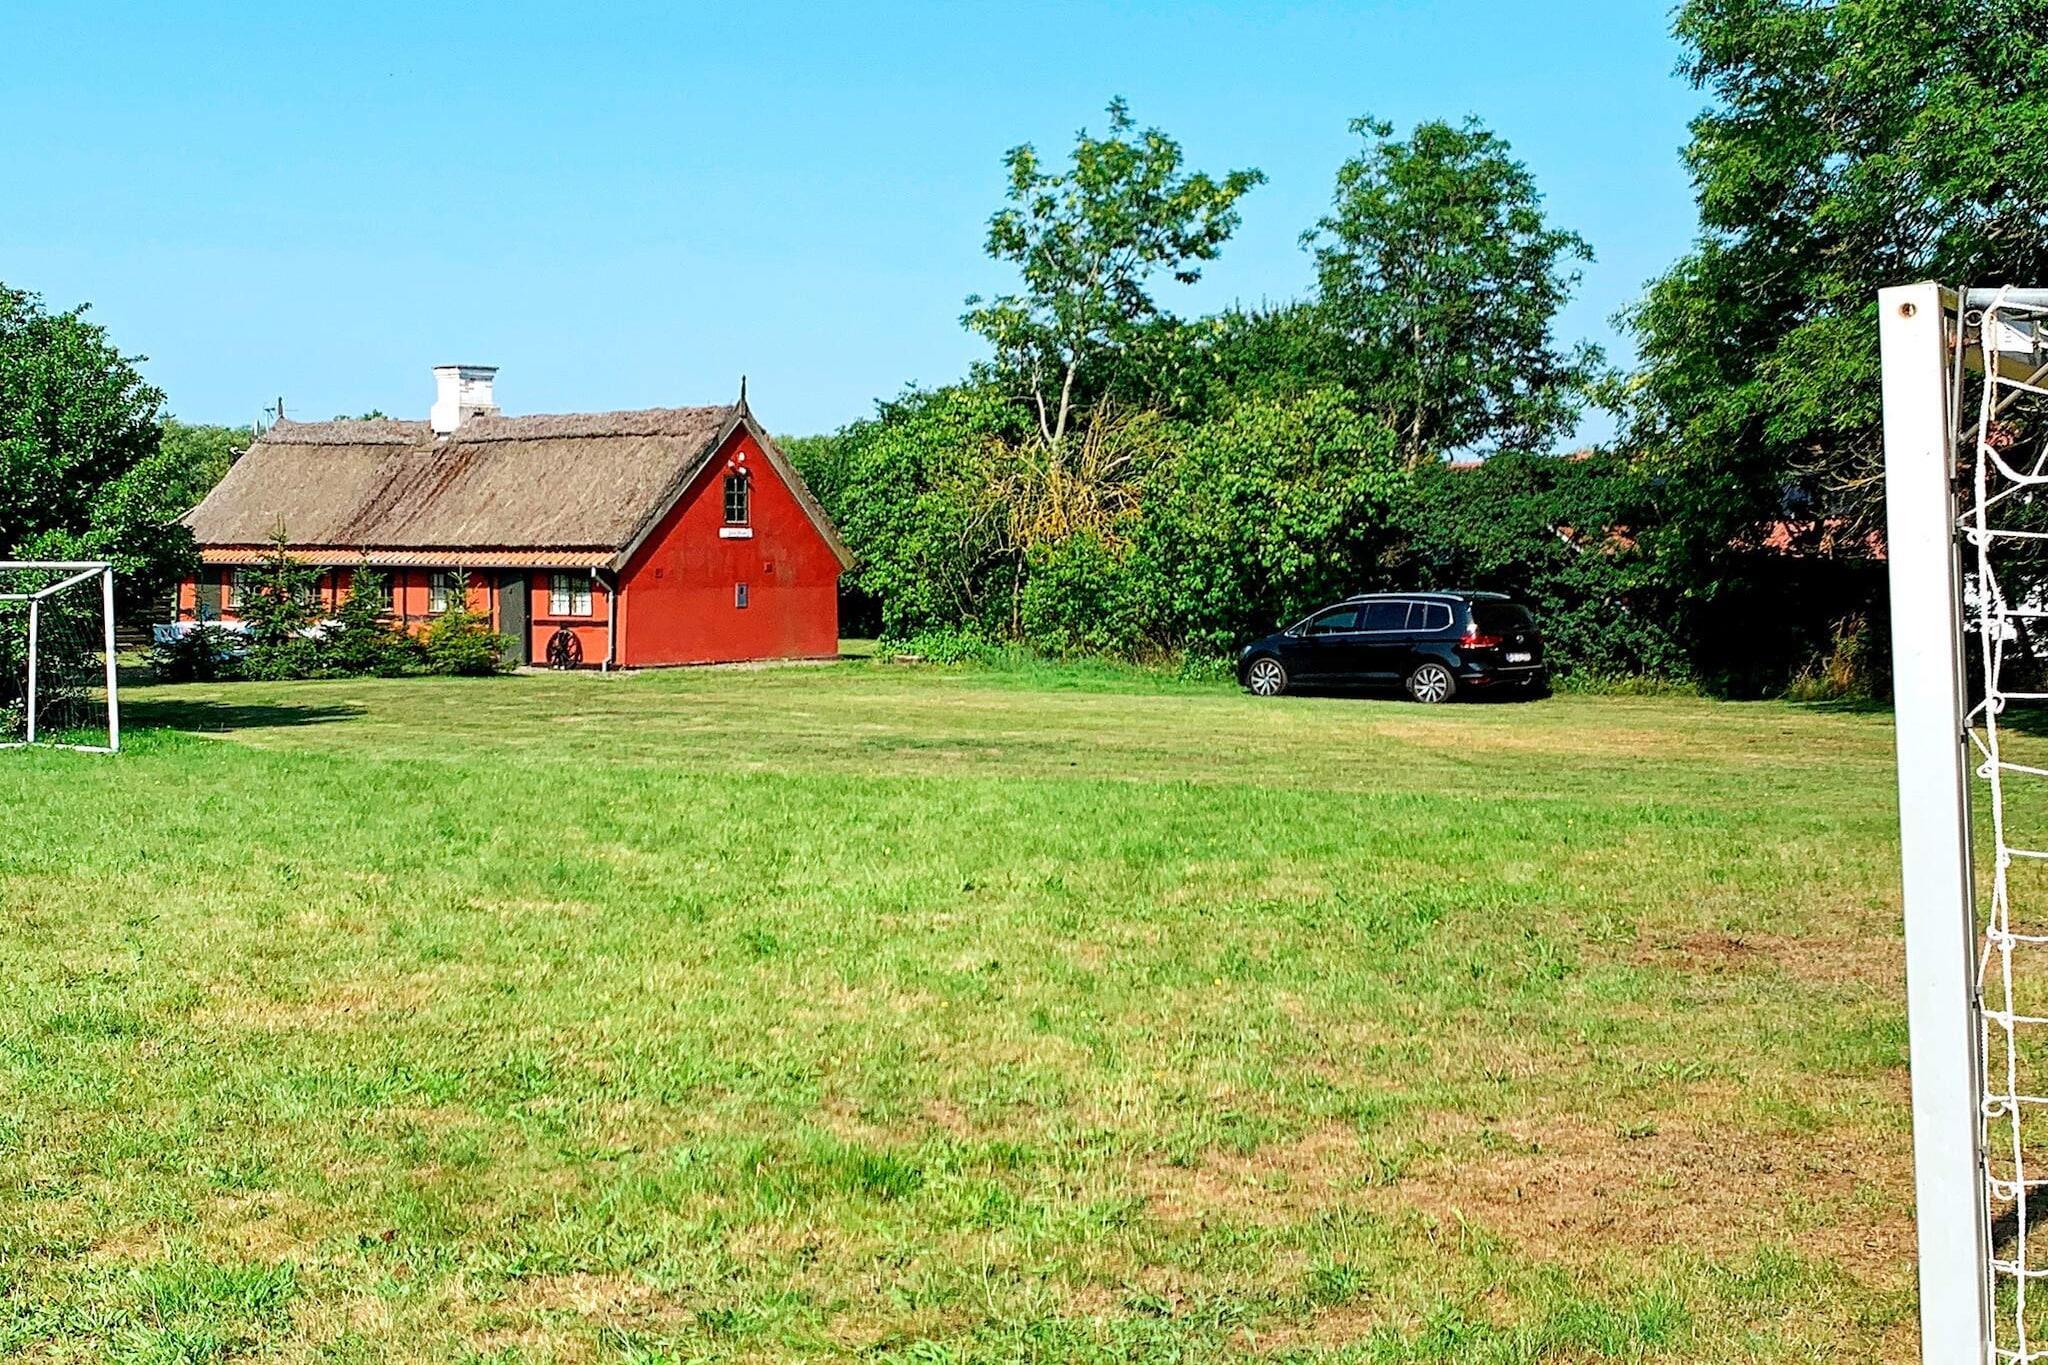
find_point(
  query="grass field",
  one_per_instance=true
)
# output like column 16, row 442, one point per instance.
column 904, row 1014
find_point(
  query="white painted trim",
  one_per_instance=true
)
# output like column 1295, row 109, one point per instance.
column 1934, row 828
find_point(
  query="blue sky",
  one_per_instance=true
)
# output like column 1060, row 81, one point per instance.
column 628, row 206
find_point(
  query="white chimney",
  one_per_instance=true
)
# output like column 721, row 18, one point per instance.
column 460, row 393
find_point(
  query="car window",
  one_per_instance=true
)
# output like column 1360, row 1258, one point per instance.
column 1385, row 616
column 1499, row 618
column 1430, row 616
column 1332, row 621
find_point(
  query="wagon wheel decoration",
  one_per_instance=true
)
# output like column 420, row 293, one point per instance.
column 564, row 649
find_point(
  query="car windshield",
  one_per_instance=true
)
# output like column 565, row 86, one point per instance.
column 1499, row 617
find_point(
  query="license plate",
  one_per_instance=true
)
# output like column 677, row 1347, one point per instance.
column 1518, row 656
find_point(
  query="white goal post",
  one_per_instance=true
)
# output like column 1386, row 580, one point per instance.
column 62, row 689
column 1965, row 393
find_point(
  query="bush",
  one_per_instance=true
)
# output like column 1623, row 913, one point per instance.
column 1082, row 598
column 1564, row 536
column 1856, row 667
column 945, row 647
column 460, row 642
column 1261, row 515
column 360, row 641
column 204, row 654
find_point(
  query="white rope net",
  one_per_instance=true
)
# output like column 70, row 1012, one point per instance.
column 2002, row 472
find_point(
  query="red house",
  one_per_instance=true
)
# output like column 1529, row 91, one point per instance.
column 663, row 536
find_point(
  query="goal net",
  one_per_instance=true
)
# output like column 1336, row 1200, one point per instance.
column 58, row 683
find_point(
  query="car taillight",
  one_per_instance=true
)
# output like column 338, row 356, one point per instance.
column 1475, row 640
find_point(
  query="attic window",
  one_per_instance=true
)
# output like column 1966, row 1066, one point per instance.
column 737, row 499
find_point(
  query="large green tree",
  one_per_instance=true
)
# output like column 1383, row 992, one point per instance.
column 1848, row 146
column 85, row 467
column 1090, row 240
column 1441, row 280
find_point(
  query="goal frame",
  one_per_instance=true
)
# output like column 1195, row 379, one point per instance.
column 76, row 572
column 1923, row 343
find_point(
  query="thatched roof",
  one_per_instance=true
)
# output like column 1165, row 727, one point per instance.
column 571, row 488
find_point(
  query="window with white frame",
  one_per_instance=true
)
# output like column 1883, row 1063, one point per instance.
column 230, row 590
column 568, row 595
column 738, row 498
column 444, row 591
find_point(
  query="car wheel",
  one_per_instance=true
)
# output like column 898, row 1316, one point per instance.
column 1266, row 678
column 1431, row 683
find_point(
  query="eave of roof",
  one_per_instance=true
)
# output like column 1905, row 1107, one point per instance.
column 387, row 557
column 491, row 494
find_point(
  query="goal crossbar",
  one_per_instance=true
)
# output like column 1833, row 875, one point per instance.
column 54, row 588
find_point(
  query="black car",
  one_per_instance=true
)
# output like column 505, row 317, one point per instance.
column 1433, row 644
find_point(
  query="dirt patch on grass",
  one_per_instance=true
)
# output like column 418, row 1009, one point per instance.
column 1566, row 1189
column 339, row 1008
column 1870, row 959
column 267, row 1226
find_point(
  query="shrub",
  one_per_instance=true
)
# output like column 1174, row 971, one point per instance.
column 460, row 642
column 1856, row 666
column 1564, row 536
column 1263, row 514
column 204, row 654
column 1082, row 598
column 945, row 646
column 360, row 641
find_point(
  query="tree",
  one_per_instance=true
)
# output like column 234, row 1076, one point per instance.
column 197, row 455
column 912, row 502
column 82, row 472
column 1849, row 146
column 1089, row 241
column 1264, row 513
column 278, row 604
column 1441, row 280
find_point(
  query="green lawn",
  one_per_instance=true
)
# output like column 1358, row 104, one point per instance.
column 905, row 1014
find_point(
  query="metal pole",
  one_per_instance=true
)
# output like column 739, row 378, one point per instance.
column 35, row 611
column 113, row 668
column 1934, row 829
column 2021, row 298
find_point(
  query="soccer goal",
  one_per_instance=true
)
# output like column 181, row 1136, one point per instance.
column 59, row 686
column 1966, row 486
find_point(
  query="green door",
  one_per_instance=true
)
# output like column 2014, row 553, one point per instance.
column 512, row 618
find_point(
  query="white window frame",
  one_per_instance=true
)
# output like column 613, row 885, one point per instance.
column 569, row 595
column 445, row 591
